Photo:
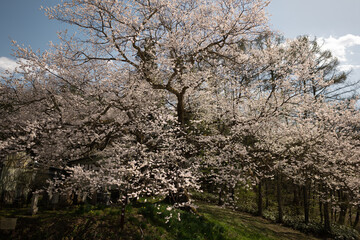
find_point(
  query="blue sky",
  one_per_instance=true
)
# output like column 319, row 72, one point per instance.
column 24, row 22
column 336, row 23
column 320, row 18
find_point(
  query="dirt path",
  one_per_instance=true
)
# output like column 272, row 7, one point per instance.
column 245, row 226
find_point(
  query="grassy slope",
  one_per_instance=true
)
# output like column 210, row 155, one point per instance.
column 145, row 221
column 240, row 225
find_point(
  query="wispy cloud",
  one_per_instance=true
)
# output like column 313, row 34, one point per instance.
column 7, row 64
column 339, row 46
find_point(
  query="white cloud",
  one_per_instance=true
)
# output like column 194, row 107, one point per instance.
column 7, row 64
column 348, row 67
column 339, row 46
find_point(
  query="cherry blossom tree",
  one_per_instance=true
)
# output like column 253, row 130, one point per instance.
column 275, row 116
column 163, row 93
column 171, row 44
column 108, row 90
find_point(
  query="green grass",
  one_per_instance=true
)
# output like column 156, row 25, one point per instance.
column 234, row 228
column 144, row 221
column 180, row 224
column 239, row 225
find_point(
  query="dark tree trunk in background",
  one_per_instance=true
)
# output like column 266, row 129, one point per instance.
column 343, row 207
column 259, row 199
column 122, row 218
column 327, row 226
column 279, row 198
column 232, row 194
column 350, row 216
column 220, row 200
column 357, row 218
column 267, row 192
column 321, row 205
column 335, row 215
column 321, row 212
column 181, row 196
column 296, row 200
column 342, row 214
column 306, row 202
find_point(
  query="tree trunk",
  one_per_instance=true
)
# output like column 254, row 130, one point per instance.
column 343, row 207
column 296, row 201
column 327, row 226
column 321, row 212
column 220, row 200
column 232, row 194
column 181, row 196
column 180, row 107
column 279, row 198
column 122, row 218
column 306, row 202
column 335, row 215
column 342, row 214
column 350, row 216
column 260, row 199
column 357, row 218
column 267, row 195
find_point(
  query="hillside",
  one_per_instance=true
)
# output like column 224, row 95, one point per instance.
column 145, row 221
column 241, row 225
